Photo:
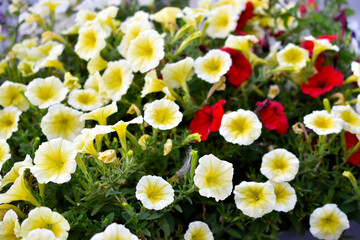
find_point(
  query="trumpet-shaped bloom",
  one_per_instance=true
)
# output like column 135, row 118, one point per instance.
column 177, row 74
column 115, row 231
column 152, row 84
column 61, row 121
column 323, row 123
column 222, row 21
column 146, row 51
column 117, row 79
column 213, row 177
column 96, row 64
column 241, row 127
column 328, row 222
column 16, row 171
column 198, row 231
column 120, row 128
column 9, row 226
column 154, row 192
column 292, row 56
column 213, row 65
column 41, row 233
column 71, row 82
column 285, row 197
column 163, row 114
column 351, row 120
column 167, row 17
column 54, row 161
column 91, row 41
column 4, row 152
column 241, row 43
column 101, row 114
column 85, row 99
column 43, row 217
column 44, row 92
column 321, row 45
column 255, row 199
column 10, row 95
column 9, row 118
column 279, row 165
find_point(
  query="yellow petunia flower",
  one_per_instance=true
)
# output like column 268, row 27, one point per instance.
column 16, row 171
column 152, row 84
column 96, row 64
column 154, row 192
column 242, row 43
column 222, row 21
column 255, row 199
column 238, row 6
column 176, row 75
column 120, row 128
column 321, row 45
column 43, row 217
column 9, row 118
column 71, row 82
column 351, row 120
column 323, row 123
column 213, row 177
column 10, row 95
column 61, row 121
column 54, row 161
column 85, row 99
column 4, row 152
column 41, row 233
column 44, row 92
column 198, row 231
column 115, row 231
column 101, row 114
column 285, row 196
column 167, row 17
column 292, row 56
column 10, row 226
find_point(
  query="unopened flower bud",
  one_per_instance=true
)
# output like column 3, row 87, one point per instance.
column 143, row 140
column 351, row 178
column 298, row 128
column 108, row 156
column 273, row 91
column 134, row 109
column 48, row 36
column 167, row 147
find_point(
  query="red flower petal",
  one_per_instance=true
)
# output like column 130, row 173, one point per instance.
column 244, row 17
column 272, row 116
column 351, row 141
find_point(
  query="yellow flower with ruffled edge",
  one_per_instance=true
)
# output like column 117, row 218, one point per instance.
column 90, row 42
column 101, row 114
column 285, row 196
column 323, row 123
column 44, row 92
column 163, row 114
column 43, row 217
column 321, row 45
column 154, row 192
column 9, row 118
column 139, row 16
column 146, row 51
column 242, row 43
column 213, row 65
column 19, row 191
column 292, row 56
column 61, row 121
column 222, row 21
column 167, row 17
column 237, row 5
column 96, row 64
column 10, row 226
column 255, row 199
column 84, row 143
column 95, row 82
column 328, row 222
column 117, row 79
column 115, row 231
column 54, row 161
column 41, row 233
column 279, row 165
column 176, row 75
column 152, row 84
column 85, row 99
column 10, row 95
column 198, row 231
column 108, row 156
column 4, row 152
column 17, row 169
column 106, row 19
column 241, row 127
column 71, row 82
column 213, row 177
column 351, row 120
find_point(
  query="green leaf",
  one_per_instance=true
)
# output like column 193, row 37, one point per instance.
column 178, row 208
column 96, row 209
column 164, row 225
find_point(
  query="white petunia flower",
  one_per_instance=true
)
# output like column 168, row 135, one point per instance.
column 198, row 231
column 285, row 196
column 115, row 231
column 323, row 123
column 292, row 56
column 222, row 21
column 351, row 120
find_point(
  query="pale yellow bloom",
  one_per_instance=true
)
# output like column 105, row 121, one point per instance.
column 213, row 65
column 143, row 140
column 241, row 127
column 96, row 83
column 163, row 114
column 146, row 51
column 9, row 226
column 61, row 121
column 198, row 231
column 279, row 165
column 285, row 196
column 108, row 156
column 176, row 75
column 139, row 16
column 41, row 233
column 120, row 128
column 43, row 217
column 96, row 64
column 323, row 123
column 194, row 16
column 152, row 84
column 255, row 199
column 106, row 19
column 4, row 152
column 71, row 82
column 10, row 95
column 101, row 114
column 44, row 92
column 16, row 171
column 321, row 45
column 9, row 118
column 351, row 120
column 213, row 177
column 328, row 222
column 293, row 56
column 237, row 5
column 85, row 99
column 115, row 231
column 355, row 68
column 154, row 192
column 167, row 17
column 54, row 161
column 3, row 65
column 117, row 79
column 222, row 21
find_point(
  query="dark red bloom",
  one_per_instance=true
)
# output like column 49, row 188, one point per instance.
column 244, row 17
column 240, row 70
column 208, row 119
column 322, row 82
column 351, row 141
column 272, row 116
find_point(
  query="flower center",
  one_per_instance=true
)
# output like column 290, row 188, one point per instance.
column 292, row 56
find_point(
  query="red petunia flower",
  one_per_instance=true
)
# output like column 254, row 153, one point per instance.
column 208, row 119
column 240, row 70
column 322, row 82
column 244, row 17
column 351, row 141
column 272, row 116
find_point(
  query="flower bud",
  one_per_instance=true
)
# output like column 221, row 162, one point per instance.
column 167, row 147
column 273, row 91
column 351, row 178
column 108, row 156
column 143, row 141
